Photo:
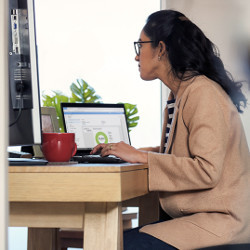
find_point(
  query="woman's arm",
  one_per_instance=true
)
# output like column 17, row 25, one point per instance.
column 150, row 149
column 204, row 117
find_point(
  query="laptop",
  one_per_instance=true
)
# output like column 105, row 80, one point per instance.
column 95, row 123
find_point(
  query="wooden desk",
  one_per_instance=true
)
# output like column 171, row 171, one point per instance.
column 83, row 196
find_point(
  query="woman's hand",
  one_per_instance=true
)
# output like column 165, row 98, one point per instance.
column 123, row 151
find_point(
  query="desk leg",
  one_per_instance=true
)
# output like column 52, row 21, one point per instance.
column 148, row 208
column 42, row 238
column 103, row 226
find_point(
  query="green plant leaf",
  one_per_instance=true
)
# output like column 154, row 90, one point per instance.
column 131, row 110
column 82, row 92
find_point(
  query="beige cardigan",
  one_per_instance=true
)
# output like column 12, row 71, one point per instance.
column 203, row 178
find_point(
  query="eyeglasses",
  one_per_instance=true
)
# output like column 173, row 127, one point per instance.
column 138, row 46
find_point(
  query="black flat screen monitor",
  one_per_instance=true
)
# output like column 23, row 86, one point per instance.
column 24, row 101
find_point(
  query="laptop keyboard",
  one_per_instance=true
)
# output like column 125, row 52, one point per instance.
column 97, row 159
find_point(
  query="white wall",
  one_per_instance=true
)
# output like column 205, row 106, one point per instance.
column 227, row 24
column 3, row 124
column 97, row 46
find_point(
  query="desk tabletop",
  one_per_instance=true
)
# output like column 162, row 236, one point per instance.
column 78, row 168
column 77, row 182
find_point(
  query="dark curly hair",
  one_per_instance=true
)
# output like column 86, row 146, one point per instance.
column 190, row 52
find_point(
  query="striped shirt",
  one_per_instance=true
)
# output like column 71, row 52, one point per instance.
column 170, row 106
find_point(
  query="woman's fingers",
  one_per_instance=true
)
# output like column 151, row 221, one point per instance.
column 97, row 148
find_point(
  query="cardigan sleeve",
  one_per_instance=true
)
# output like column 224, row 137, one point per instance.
column 151, row 149
column 203, row 115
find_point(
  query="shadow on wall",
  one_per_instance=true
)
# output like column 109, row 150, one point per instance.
column 229, row 30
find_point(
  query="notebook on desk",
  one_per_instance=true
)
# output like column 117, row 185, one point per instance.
column 95, row 123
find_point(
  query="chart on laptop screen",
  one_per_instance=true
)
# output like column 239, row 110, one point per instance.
column 93, row 125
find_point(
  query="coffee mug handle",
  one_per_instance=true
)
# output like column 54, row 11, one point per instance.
column 74, row 150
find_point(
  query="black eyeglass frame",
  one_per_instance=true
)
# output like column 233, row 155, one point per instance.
column 137, row 47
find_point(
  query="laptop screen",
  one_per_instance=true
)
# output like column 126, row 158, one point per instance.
column 95, row 123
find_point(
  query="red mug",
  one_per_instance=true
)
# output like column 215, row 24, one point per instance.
column 58, row 147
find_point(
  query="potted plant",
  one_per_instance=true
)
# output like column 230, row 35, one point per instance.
column 81, row 91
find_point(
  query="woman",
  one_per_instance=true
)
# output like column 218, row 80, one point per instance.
column 201, row 169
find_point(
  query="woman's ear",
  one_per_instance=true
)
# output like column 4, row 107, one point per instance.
column 162, row 49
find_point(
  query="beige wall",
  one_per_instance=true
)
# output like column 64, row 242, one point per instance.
column 3, row 124
column 227, row 24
